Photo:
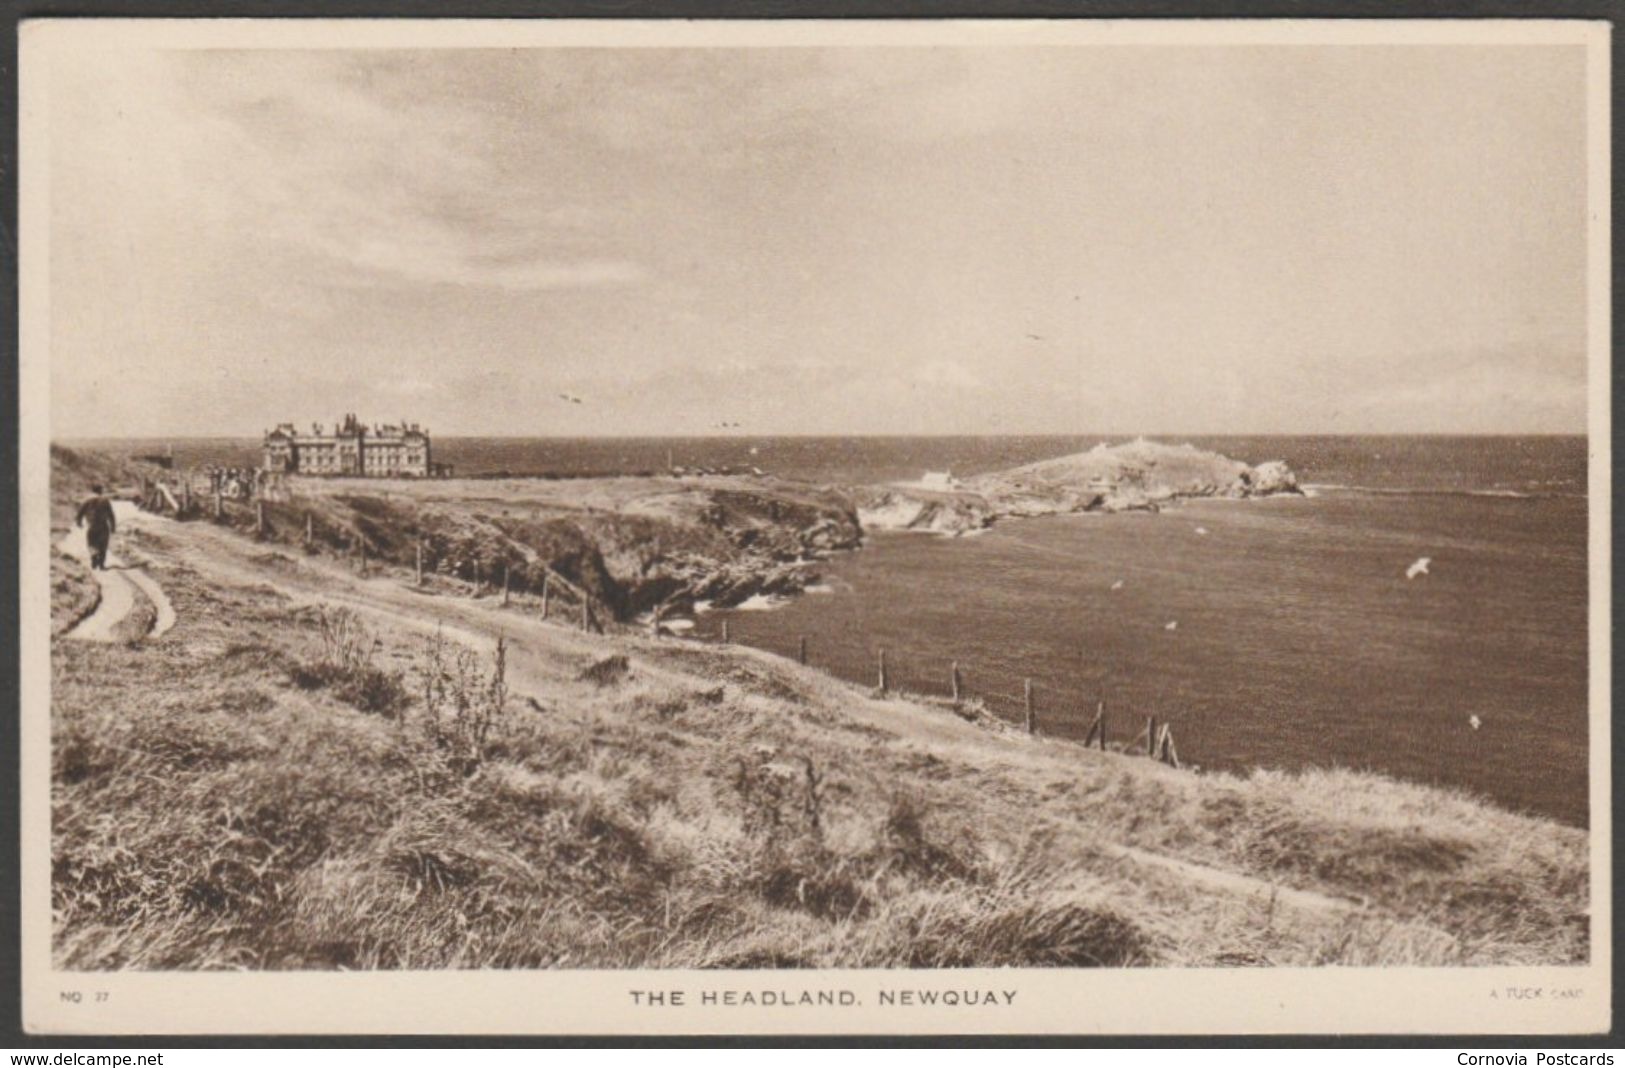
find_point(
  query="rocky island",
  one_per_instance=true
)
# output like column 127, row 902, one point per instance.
column 1140, row 475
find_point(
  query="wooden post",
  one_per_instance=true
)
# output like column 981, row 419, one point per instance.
column 1151, row 736
column 363, row 544
column 310, row 529
column 259, row 517
column 420, row 563
column 1099, row 724
column 586, row 615
column 953, row 680
column 505, row 584
column 477, row 577
column 724, row 632
column 544, row 594
column 1167, row 753
column 801, row 650
column 1027, row 701
column 883, row 683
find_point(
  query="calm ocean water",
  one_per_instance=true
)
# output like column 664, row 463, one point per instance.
column 1298, row 639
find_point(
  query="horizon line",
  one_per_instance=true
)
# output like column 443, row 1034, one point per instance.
column 68, row 439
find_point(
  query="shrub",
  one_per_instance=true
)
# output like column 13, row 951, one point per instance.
column 464, row 707
column 608, row 671
column 778, row 804
column 906, row 845
column 791, row 865
column 344, row 666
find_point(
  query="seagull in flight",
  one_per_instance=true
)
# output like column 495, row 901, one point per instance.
column 1418, row 568
column 567, row 397
column 1474, row 722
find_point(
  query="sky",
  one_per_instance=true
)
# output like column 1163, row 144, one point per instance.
column 857, row 240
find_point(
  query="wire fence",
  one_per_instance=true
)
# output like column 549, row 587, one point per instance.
column 1055, row 704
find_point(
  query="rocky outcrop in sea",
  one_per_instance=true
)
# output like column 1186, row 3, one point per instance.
column 1140, row 475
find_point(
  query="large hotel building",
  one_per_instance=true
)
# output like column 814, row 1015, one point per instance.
column 351, row 449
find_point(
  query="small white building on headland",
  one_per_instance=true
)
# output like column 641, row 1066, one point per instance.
column 352, row 448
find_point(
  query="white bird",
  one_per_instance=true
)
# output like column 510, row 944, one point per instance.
column 1201, row 530
column 1171, row 625
column 1474, row 722
column 1418, row 568
column 1117, row 585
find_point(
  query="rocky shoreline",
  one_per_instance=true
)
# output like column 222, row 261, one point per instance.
column 652, row 548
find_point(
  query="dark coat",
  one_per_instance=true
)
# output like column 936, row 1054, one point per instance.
column 97, row 513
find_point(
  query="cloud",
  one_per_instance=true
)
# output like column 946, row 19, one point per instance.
column 295, row 151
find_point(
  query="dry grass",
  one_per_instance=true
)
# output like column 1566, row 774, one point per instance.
column 653, row 815
column 74, row 593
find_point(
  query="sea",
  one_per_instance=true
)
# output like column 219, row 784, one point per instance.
column 1274, row 633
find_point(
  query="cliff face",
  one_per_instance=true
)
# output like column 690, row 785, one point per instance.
column 630, row 543
column 1139, row 475
column 722, row 543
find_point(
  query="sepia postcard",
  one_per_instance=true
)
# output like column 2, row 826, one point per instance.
column 625, row 527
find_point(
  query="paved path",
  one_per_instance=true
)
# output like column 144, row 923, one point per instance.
column 122, row 584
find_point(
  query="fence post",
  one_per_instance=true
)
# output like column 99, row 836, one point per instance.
column 544, row 594
column 586, row 615
column 504, row 584
column 420, row 562
column 1027, row 702
column 1099, row 724
column 310, row 529
column 953, row 680
column 1167, row 752
column 363, row 544
column 884, row 687
column 477, row 577
column 801, row 650
column 724, row 632
column 1151, row 737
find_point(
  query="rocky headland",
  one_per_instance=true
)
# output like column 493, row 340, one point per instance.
column 635, row 545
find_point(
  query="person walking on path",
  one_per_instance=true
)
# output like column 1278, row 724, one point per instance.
column 97, row 514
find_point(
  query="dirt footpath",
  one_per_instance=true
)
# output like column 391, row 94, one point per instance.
column 123, row 584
